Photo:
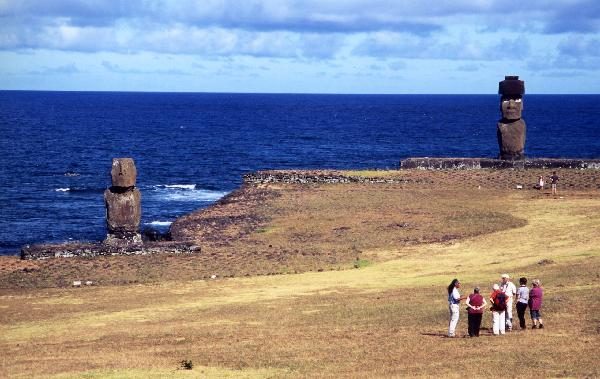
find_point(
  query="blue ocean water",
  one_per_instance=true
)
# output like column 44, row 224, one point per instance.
column 192, row 148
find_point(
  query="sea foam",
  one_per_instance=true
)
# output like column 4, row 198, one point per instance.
column 160, row 223
column 186, row 192
column 178, row 186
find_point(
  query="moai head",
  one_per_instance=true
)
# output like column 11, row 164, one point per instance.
column 123, row 172
column 512, row 90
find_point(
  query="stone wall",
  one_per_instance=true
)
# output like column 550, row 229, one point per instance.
column 312, row 177
column 426, row 163
column 88, row 250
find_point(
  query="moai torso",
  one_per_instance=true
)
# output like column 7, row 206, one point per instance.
column 123, row 203
column 511, row 129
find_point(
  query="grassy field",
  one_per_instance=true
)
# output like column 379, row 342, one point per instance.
column 364, row 294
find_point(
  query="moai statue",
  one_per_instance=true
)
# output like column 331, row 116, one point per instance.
column 511, row 128
column 123, row 204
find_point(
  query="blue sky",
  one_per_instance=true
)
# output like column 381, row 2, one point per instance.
column 311, row 46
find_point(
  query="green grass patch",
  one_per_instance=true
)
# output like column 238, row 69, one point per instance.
column 362, row 263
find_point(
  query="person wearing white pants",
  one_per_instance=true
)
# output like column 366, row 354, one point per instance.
column 454, row 299
column 498, row 322
column 498, row 315
column 510, row 290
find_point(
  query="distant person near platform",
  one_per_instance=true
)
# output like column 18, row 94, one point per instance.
column 541, row 183
column 554, row 181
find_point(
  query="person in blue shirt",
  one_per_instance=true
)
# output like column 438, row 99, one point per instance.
column 454, row 299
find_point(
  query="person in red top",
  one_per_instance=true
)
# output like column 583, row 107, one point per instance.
column 475, row 306
column 498, row 310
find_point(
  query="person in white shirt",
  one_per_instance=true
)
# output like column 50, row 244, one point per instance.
column 522, row 301
column 454, row 299
column 510, row 290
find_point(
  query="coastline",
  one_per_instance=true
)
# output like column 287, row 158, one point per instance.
column 240, row 235
column 292, row 277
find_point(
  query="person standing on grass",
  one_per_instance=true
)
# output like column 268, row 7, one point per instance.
column 536, row 295
column 498, row 300
column 522, row 301
column 454, row 299
column 554, row 182
column 508, row 287
column 541, row 183
column 475, row 306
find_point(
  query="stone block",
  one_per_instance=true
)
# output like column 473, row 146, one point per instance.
column 511, row 139
column 123, row 211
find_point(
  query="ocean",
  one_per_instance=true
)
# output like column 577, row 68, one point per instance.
column 191, row 149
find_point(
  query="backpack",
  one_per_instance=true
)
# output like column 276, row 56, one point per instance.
column 500, row 302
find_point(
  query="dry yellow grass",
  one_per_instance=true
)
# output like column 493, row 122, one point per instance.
column 383, row 320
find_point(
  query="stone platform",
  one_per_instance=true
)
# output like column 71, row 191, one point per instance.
column 427, row 163
column 88, row 250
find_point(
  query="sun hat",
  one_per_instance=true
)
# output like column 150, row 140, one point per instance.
column 505, row 276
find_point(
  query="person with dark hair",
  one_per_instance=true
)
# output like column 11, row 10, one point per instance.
column 535, row 304
column 475, row 305
column 454, row 299
column 522, row 301
column 554, row 182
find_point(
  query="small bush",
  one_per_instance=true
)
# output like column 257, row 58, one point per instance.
column 186, row 364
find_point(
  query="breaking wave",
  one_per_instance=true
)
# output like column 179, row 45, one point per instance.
column 179, row 186
column 80, row 189
column 160, row 223
column 186, row 192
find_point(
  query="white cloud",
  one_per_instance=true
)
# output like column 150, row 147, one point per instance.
column 382, row 37
column 390, row 44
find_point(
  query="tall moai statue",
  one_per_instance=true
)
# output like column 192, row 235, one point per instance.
column 123, row 204
column 511, row 128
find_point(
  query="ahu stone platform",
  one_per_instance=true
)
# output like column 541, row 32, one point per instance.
column 88, row 250
column 427, row 163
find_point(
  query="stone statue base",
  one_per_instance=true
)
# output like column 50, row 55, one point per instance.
column 511, row 139
column 123, row 239
column 90, row 250
column 432, row 163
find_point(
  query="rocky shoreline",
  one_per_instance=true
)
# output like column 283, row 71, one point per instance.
column 509, row 174
column 291, row 221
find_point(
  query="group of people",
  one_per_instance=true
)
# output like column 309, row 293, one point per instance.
column 501, row 299
column 553, row 182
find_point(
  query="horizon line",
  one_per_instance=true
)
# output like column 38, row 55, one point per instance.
column 294, row 93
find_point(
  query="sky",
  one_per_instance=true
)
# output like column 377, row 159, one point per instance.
column 300, row 46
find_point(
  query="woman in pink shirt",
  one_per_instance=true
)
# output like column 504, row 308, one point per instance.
column 536, row 295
